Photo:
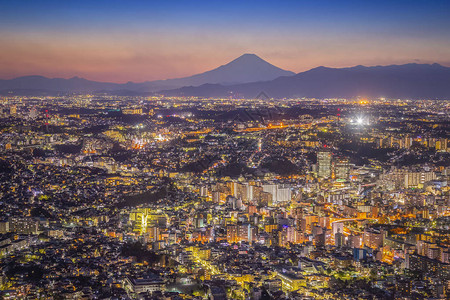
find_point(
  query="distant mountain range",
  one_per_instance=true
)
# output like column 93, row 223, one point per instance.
column 410, row 81
column 246, row 68
column 248, row 76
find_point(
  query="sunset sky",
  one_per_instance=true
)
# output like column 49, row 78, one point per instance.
column 123, row 41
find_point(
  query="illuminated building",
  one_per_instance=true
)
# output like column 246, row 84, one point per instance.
column 240, row 233
column 132, row 111
column 324, row 164
column 23, row 225
column 150, row 283
column 442, row 145
column 341, row 168
column 4, row 227
column 291, row 281
column 417, row 179
column 279, row 193
column 339, row 239
column 373, row 239
column 337, row 227
column 143, row 218
column 359, row 254
column 13, row 110
column 425, row 264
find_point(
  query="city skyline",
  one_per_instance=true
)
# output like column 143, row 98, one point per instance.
column 120, row 42
column 213, row 150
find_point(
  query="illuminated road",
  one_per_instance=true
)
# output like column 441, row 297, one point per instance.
column 351, row 220
column 343, row 219
column 270, row 126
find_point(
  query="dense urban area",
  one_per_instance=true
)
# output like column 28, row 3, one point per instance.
column 120, row 197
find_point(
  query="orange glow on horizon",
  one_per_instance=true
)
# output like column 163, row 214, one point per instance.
column 157, row 56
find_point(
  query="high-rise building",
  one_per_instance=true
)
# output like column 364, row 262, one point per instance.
column 240, row 233
column 13, row 110
column 372, row 239
column 337, row 227
column 442, row 144
column 324, row 164
column 341, row 168
column 418, row 179
column 339, row 239
column 280, row 193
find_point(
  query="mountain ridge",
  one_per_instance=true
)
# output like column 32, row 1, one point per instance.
column 246, row 68
column 414, row 81
column 411, row 80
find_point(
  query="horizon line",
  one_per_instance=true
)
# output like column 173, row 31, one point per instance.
column 295, row 73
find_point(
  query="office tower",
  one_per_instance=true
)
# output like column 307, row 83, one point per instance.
column 341, row 168
column 324, row 164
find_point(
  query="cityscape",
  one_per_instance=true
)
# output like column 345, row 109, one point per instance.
column 245, row 181
column 113, row 196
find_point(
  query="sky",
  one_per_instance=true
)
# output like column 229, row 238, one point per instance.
column 120, row 41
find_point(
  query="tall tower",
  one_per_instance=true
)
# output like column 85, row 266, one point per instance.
column 46, row 120
column 324, row 164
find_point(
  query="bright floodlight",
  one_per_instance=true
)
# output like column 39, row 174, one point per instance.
column 359, row 121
